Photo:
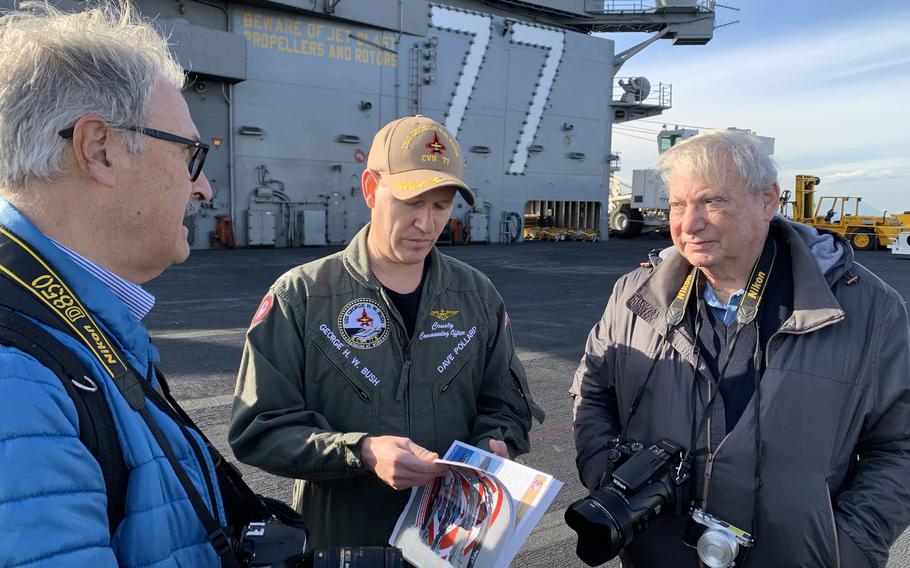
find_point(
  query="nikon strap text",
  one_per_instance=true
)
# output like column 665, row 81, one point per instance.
column 25, row 267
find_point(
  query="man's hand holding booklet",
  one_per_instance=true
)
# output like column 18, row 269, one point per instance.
column 476, row 516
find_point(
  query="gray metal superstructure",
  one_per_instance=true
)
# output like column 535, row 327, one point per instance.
column 290, row 93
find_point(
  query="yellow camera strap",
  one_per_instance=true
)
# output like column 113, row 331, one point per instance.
column 754, row 291
column 25, row 267
column 677, row 310
column 34, row 275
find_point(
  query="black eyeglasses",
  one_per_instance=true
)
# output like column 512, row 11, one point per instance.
column 200, row 149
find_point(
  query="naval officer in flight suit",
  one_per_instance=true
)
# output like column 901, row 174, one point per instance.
column 362, row 367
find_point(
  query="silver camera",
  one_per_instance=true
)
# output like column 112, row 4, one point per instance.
column 720, row 542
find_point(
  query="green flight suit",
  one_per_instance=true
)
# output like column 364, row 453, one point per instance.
column 327, row 362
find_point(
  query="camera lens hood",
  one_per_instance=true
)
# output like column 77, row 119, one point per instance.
column 603, row 523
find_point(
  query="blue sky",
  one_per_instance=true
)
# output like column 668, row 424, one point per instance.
column 829, row 80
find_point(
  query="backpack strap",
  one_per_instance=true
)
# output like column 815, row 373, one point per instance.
column 96, row 425
column 49, row 295
column 36, row 289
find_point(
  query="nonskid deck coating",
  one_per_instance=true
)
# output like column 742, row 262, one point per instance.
column 554, row 292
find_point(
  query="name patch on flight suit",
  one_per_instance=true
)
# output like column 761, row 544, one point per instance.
column 457, row 350
column 362, row 324
column 356, row 365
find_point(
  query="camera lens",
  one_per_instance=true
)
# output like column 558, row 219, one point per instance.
column 603, row 525
column 640, row 488
column 357, row 557
column 717, row 549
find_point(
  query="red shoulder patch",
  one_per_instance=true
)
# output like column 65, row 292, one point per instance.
column 263, row 310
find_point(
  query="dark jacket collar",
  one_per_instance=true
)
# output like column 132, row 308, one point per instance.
column 814, row 304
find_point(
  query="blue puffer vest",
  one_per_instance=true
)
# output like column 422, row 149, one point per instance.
column 52, row 494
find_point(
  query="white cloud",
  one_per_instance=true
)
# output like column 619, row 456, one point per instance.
column 868, row 67
column 875, row 168
column 883, row 183
column 864, row 175
column 834, row 99
column 809, row 56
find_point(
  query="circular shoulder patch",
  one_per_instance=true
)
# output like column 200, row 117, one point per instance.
column 264, row 308
column 363, row 324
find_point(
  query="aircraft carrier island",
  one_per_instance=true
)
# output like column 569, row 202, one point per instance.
column 289, row 94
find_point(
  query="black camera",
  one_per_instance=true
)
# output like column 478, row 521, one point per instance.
column 274, row 544
column 645, row 481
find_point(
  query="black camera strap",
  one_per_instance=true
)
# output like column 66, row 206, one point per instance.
column 745, row 315
column 675, row 315
column 96, row 426
column 241, row 503
column 51, row 295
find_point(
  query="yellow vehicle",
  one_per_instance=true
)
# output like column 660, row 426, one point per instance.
column 841, row 215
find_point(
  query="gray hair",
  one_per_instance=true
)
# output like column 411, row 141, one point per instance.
column 57, row 67
column 715, row 154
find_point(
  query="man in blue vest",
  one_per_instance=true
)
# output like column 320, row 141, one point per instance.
column 99, row 163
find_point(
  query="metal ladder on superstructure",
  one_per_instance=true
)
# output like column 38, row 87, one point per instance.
column 505, row 233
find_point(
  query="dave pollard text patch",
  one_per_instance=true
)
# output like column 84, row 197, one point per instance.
column 363, row 324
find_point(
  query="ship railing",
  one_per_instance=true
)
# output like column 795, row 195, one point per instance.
column 660, row 94
column 641, row 6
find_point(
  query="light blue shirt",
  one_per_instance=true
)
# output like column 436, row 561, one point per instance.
column 137, row 301
column 724, row 312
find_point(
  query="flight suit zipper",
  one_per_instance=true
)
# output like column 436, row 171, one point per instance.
column 404, row 385
column 363, row 394
column 455, row 376
column 403, row 392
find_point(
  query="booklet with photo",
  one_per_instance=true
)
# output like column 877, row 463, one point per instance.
column 477, row 516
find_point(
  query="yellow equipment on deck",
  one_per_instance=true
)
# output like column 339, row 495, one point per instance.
column 839, row 214
column 534, row 233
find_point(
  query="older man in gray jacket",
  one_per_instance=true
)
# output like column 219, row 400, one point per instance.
column 781, row 367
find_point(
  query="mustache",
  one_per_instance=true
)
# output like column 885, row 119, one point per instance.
column 192, row 207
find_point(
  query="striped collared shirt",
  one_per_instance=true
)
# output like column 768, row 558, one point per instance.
column 137, row 301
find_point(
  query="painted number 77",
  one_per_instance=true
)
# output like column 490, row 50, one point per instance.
column 479, row 26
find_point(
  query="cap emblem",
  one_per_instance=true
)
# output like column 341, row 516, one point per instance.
column 435, row 146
